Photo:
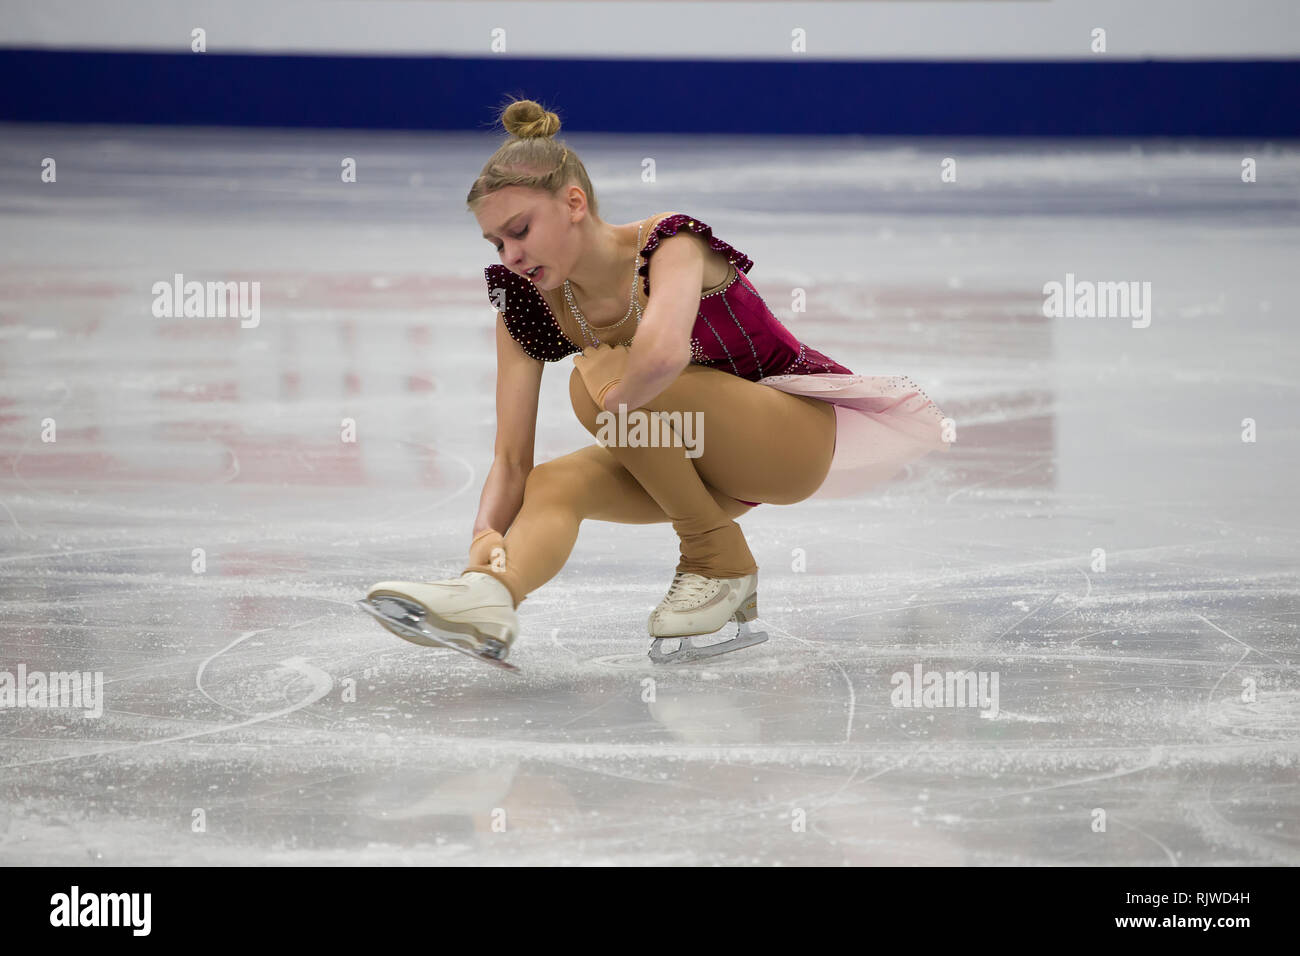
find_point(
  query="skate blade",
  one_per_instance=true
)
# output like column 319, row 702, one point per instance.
column 412, row 626
column 689, row 651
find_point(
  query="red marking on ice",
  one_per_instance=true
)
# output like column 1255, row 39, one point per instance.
column 206, row 392
column 62, row 464
column 431, row 475
column 195, row 430
column 269, row 459
column 198, row 328
column 88, row 434
column 942, row 296
column 411, row 290
column 244, row 563
column 278, row 459
column 29, row 288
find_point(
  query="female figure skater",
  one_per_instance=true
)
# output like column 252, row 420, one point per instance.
column 666, row 320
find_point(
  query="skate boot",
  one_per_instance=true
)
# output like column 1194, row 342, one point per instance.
column 473, row 614
column 695, row 606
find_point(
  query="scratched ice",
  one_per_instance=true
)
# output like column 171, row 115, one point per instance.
column 1149, row 706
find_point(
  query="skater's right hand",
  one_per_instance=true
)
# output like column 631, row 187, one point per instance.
column 482, row 548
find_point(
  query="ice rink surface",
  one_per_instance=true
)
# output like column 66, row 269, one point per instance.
column 1100, row 538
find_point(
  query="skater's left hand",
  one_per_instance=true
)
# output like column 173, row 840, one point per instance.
column 601, row 367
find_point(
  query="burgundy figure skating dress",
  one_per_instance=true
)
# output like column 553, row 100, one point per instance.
column 882, row 422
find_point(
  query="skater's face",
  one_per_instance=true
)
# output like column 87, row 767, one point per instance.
column 529, row 229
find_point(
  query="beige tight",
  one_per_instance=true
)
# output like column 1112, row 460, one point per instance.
column 759, row 444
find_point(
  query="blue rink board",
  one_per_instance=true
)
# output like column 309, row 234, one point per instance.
column 1033, row 98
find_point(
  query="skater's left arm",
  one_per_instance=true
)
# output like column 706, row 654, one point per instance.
column 662, row 346
column 644, row 376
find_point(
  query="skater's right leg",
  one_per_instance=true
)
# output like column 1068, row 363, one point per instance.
column 558, row 495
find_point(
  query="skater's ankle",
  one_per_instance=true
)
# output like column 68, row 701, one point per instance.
column 511, row 597
column 718, row 575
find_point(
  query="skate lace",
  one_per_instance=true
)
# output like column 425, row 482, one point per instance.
column 685, row 587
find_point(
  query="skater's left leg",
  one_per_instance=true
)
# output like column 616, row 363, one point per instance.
column 558, row 496
column 757, row 444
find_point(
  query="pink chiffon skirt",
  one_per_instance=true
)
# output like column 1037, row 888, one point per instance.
column 883, row 423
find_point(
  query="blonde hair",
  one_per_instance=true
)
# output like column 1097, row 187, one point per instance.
column 531, row 157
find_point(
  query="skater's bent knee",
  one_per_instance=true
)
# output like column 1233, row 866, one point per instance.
column 554, row 481
column 583, row 404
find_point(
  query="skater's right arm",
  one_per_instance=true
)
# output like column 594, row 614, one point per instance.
column 519, row 382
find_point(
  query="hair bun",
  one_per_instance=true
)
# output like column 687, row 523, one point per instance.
column 528, row 120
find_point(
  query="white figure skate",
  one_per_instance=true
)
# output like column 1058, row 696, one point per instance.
column 696, row 605
column 475, row 613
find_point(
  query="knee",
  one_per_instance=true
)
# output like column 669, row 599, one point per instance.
column 552, row 483
column 584, row 406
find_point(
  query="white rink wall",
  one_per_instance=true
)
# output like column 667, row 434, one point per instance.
column 954, row 30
